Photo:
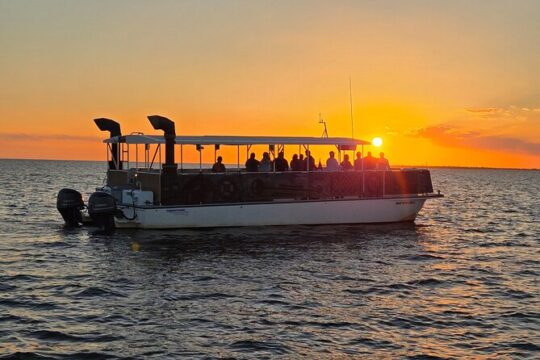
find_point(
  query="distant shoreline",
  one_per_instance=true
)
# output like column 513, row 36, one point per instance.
column 463, row 167
column 393, row 166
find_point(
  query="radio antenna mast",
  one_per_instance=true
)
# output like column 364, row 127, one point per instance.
column 322, row 121
column 350, row 100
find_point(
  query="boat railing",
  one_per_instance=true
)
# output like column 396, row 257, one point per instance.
column 193, row 187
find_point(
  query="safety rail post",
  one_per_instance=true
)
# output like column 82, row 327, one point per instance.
column 126, row 151
column 146, row 155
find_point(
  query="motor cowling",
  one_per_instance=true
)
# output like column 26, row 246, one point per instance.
column 69, row 203
column 102, row 208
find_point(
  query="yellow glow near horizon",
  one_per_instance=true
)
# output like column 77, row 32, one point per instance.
column 377, row 141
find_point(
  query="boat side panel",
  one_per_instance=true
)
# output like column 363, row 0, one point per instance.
column 293, row 213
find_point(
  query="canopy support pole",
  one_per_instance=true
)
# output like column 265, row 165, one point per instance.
column 200, row 159
column 238, row 157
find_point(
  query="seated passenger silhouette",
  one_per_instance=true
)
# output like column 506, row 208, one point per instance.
column 218, row 167
column 265, row 165
column 358, row 161
column 332, row 163
column 382, row 162
column 309, row 162
column 370, row 163
column 296, row 164
column 252, row 164
column 346, row 163
column 281, row 164
column 302, row 163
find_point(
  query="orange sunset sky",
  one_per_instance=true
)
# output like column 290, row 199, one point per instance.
column 442, row 82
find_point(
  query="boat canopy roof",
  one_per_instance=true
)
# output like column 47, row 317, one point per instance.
column 237, row 140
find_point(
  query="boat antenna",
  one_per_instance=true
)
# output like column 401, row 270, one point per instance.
column 322, row 121
column 350, row 101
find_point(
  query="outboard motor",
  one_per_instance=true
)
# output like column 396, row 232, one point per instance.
column 102, row 208
column 69, row 203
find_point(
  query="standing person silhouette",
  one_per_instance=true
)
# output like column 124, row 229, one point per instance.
column 358, row 161
column 281, row 163
column 309, row 162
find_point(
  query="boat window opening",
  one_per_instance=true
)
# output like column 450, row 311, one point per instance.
column 199, row 149
column 160, row 161
column 238, row 157
column 128, row 146
column 146, row 155
column 158, row 149
column 216, row 148
column 146, row 161
column 248, row 148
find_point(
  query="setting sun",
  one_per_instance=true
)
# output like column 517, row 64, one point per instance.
column 377, row 142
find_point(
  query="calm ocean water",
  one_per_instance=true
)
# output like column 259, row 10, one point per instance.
column 462, row 282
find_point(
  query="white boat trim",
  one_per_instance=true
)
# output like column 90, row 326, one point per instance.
column 310, row 212
column 285, row 201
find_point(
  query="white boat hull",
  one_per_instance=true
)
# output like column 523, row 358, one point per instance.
column 341, row 211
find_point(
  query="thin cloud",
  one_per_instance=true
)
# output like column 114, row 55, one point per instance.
column 448, row 136
column 483, row 110
column 21, row 137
